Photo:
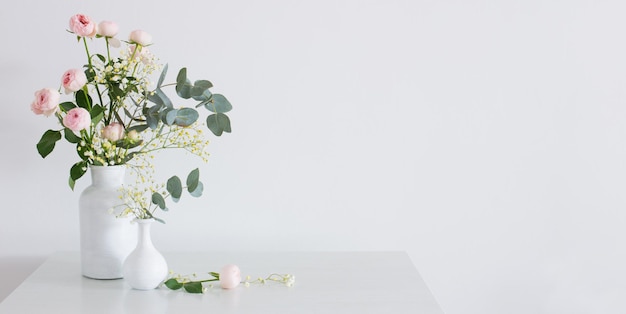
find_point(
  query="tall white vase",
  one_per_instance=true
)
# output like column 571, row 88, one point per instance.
column 145, row 268
column 105, row 240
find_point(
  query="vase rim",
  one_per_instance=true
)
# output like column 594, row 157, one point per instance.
column 106, row 166
column 143, row 220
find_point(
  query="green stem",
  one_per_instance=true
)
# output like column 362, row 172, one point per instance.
column 91, row 69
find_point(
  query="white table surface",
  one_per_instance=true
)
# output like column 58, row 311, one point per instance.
column 326, row 282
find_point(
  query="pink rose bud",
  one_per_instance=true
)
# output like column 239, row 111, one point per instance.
column 113, row 132
column 73, row 80
column 140, row 37
column 133, row 136
column 230, row 276
column 82, row 26
column 46, row 101
column 77, row 119
column 108, row 29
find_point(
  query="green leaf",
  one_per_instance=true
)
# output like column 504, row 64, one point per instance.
column 152, row 116
column 159, row 98
column 197, row 192
column 183, row 85
column 66, row 106
column 219, row 104
column 169, row 116
column 199, row 88
column 193, row 287
column 101, row 57
column 77, row 171
column 162, row 77
column 173, row 284
column 175, row 188
column 203, row 84
column 139, row 128
column 83, row 100
column 205, row 98
column 214, row 274
column 70, row 136
column 186, row 117
column 47, row 142
column 193, row 179
column 129, row 156
column 218, row 123
column 97, row 113
column 158, row 200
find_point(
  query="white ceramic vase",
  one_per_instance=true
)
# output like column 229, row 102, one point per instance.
column 145, row 268
column 105, row 240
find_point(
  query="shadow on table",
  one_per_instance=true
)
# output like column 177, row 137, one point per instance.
column 14, row 269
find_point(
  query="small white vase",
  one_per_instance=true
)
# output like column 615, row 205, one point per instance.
column 105, row 240
column 145, row 268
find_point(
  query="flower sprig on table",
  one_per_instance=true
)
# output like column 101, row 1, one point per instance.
column 115, row 115
column 229, row 277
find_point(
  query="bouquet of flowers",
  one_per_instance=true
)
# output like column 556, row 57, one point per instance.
column 114, row 115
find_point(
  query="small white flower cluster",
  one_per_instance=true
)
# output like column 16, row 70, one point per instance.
column 101, row 151
column 136, row 64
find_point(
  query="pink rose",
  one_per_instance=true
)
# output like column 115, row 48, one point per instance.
column 73, row 80
column 82, row 26
column 108, row 29
column 113, row 132
column 140, row 37
column 230, row 276
column 77, row 119
column 46, row 101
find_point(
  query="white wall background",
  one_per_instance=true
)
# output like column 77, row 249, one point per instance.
column 485, row 138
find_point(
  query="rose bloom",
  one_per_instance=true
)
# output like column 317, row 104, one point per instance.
column 230, row 276
column 46, row 101
column 77, row 119
column 73, row 80
column 140, row 37
column 108, row 29
column 82, row 25
column 113, row 132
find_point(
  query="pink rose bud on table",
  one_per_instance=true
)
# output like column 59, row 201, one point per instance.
column 77, row 119
column 73, row 80
column 108, row 29
column 140, row 37
column 46, row 101
column 82, row 25
column 113, row 132
column 230, row 276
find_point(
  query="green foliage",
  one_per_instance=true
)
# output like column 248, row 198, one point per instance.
column 83, row 100
column 173, row 284
column 175, row 188
column 158, row 199
column 193, row 287
column 97, row 113
column 47, row 142
column 70, row 136
column 186, row 117
column 218, row 104
column 77, row 171
column 218, row 123
column 193, row 180
column 67, row 106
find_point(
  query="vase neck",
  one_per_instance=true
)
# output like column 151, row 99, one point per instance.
column 144, row 239
column 107, row 175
